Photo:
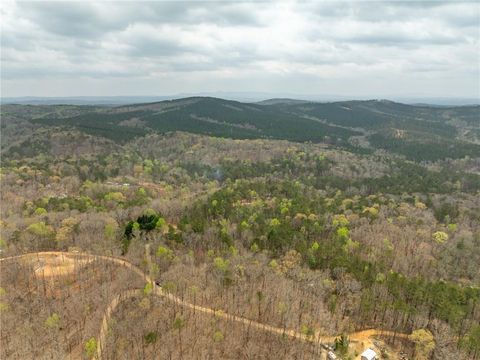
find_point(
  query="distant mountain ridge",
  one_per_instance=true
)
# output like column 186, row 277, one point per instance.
column 285, row 101
column 251, row 97
column 417, row 132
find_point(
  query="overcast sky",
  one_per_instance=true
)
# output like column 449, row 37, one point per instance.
column 370, row 49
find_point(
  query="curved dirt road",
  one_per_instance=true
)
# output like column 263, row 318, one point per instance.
column 158, row 291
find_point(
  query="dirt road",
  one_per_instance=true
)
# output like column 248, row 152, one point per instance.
column 158, row 291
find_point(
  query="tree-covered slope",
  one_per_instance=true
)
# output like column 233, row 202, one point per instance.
column 420, row 133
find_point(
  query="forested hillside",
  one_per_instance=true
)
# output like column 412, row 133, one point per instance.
column 322, row 219
column 419, row 133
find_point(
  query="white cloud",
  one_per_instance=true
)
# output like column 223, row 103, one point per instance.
column 346, row 48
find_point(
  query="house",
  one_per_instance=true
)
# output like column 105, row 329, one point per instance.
column 368, row 354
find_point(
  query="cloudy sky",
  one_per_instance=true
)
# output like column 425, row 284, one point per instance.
column 370, row 49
